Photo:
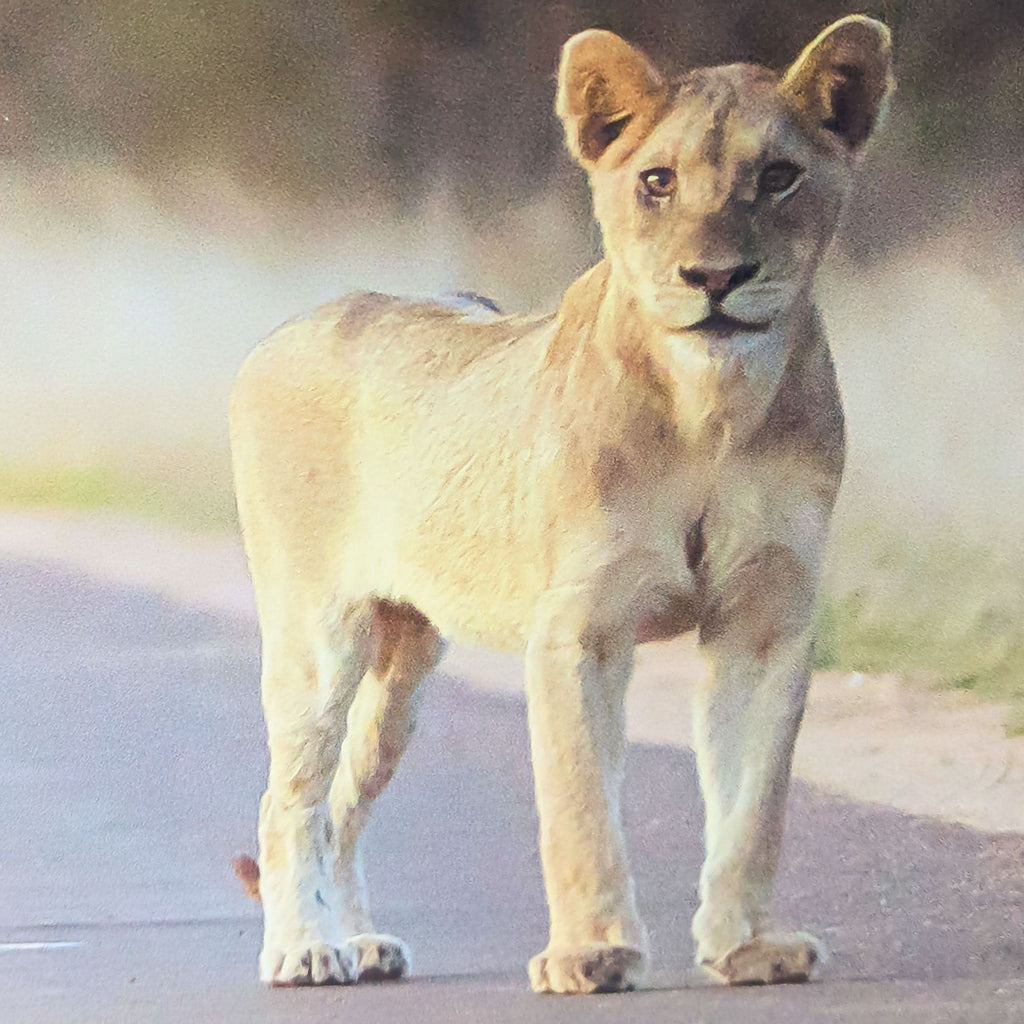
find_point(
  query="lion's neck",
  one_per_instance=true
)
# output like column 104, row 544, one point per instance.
column 717, row 384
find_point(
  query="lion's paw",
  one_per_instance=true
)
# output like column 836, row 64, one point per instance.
column 581, row 970
column 320, row 964
column 378, row 957
column 769, row 959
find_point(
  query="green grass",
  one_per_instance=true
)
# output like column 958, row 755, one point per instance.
column 198, row 501
column 935, row 609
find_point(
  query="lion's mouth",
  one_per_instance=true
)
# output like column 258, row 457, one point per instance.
column 722, row 325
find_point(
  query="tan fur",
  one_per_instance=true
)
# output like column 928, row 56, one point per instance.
column 567, row 486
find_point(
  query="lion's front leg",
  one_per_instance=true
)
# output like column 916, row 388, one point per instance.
column 575, row 689
column 745, row 726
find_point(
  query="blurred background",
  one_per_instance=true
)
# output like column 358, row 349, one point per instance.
column 176, row 178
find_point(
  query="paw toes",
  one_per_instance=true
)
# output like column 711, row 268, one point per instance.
column 318, row 965
column 379, row 957
column 589, row 969
column 769, row 960
column 326, row 968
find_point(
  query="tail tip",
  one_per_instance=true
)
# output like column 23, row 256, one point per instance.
column 248, row 872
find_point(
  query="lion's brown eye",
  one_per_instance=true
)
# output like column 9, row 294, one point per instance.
column 779, row 177
column 659, row 182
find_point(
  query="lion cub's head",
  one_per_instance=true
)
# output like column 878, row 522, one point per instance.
column 718, row 193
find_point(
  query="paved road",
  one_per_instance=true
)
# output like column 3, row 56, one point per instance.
column 119, row 708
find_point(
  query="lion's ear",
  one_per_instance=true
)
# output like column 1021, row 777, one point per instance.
column 607, row 91
column 843, row 78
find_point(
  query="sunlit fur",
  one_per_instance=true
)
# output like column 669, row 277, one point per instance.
column 566, row 486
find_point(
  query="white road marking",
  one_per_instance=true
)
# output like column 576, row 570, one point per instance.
column 18, row 947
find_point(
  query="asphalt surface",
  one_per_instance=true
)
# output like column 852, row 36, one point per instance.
column 131, row 762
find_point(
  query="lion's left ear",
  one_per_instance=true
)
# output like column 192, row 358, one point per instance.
column 843, row 78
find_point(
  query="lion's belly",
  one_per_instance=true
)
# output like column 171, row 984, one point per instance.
column 476, row 588
column 475, row 550
column 454, row 532
column 491, row 599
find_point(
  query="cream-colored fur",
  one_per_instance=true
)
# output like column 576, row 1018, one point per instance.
column 567, row 486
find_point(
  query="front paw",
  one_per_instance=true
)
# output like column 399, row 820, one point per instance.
column 319, row 964
column 581, row 970
column 378, row 957
column 769, row 959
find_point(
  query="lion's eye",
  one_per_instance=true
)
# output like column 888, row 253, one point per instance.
column 779, row 177
column 658, row 182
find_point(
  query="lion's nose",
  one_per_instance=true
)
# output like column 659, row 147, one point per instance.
column 718, row 283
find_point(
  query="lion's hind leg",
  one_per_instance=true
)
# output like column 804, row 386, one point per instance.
column 380, row 724
column 313, row 660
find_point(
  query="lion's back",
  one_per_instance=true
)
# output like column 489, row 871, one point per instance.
column 382, row 347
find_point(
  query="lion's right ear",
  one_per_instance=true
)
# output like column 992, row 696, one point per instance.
column 607, row 91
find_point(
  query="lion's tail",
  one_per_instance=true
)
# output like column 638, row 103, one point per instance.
column 248, row 872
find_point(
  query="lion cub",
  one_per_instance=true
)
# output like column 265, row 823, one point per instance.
column 660, row 455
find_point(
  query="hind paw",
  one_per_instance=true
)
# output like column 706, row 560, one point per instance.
column 321, row 964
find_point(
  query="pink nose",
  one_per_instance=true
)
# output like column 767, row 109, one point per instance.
column 718, row 283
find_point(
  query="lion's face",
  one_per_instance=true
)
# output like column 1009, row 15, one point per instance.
column 725, row 208
column 717, row 196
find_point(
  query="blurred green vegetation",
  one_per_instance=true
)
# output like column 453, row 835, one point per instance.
column 936, row 608
column 159, row 497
